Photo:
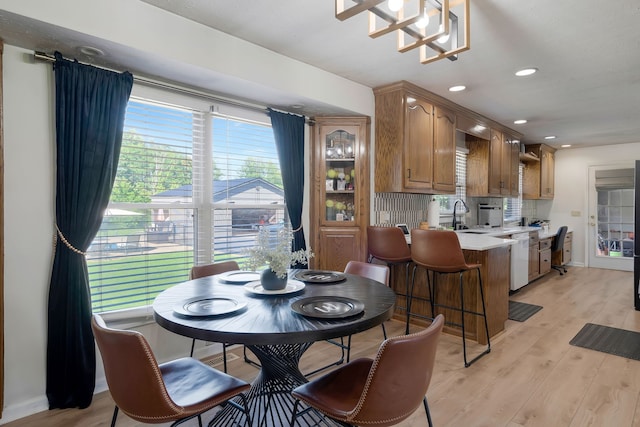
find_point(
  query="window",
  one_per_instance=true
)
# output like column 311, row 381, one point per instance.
column 194, row 184
column 447, row 202
column 513, row 205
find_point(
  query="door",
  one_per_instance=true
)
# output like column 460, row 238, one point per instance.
column 611, row 217
column 419, row 145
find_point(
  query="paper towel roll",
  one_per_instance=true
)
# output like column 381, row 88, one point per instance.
column 433, row 213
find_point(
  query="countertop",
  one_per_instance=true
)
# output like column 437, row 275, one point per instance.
column 482, row 239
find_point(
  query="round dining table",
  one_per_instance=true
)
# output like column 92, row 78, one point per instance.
column 278, row 327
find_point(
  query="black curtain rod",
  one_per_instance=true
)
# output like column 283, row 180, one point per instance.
column 41, row 56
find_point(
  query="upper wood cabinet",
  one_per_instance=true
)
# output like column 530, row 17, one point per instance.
column 492, row 165
column 415, row 144
column 539, row 172
column 339, row 212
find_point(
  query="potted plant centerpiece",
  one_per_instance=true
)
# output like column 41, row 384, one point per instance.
column 273, row 251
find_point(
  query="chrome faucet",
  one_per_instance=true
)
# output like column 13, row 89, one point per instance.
column 455, row 206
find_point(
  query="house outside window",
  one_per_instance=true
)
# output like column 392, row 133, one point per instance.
column 195, row 183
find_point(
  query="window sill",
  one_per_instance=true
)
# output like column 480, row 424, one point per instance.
column 129, row 318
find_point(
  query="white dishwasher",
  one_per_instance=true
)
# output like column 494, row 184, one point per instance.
column 519, row 260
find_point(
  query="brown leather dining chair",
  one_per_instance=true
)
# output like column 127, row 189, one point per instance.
column 439, row 251
column 376, row 272
column 383, row 391
column 198, row 271
column 388, row 244
column 205, row 270
column 153, row 393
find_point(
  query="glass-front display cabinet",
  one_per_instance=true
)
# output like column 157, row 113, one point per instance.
column 340, row 206
column 340, row 167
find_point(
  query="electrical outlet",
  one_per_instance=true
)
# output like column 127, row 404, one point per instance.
column 384, row 216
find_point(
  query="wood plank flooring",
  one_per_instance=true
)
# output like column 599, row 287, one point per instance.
column 532, row 377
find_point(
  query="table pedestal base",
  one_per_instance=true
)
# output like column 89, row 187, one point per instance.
column 269, row 399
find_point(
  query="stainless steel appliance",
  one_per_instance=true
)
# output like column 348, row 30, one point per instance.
column 489, row 215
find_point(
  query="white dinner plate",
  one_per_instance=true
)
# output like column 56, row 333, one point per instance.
column 239, row 276
column 256, row 288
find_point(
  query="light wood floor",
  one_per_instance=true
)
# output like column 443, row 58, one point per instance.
column 532, row 377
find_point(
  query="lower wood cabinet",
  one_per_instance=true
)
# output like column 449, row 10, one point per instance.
column 545, row 255
column 336, row 246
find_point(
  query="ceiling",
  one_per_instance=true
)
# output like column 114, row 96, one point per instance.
column 586, row 92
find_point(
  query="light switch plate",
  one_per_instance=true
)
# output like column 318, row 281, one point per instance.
column 576, row 213
column 384, row 216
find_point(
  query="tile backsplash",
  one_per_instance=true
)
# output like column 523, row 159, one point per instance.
column 400, row 208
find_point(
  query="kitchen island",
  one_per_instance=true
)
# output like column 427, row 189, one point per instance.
column 494, row 255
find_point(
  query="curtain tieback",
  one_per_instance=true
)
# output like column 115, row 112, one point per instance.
column 298, row 229
column 66, row 242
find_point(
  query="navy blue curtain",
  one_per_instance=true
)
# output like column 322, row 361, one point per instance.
column 288, row 130
column 90, row 107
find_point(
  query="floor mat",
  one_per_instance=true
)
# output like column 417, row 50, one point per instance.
column 520, row 311
column 606, row 339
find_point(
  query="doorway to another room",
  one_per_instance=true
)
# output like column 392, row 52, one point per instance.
column 611, row 217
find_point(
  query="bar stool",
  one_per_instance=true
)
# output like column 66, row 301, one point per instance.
column 440, row 252
column 388, row 244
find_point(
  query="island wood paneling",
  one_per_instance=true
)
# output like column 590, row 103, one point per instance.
column 495, row 282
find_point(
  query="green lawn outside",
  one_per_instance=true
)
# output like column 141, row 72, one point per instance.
column 135, row 280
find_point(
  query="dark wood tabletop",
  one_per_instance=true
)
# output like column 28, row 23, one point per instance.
column 269, row 319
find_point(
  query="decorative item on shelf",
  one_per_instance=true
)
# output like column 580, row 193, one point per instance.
column 348, row 150
column 341, row 182
column 330, row 210
column 273, row 251
column 330, row 184
column 413, row 21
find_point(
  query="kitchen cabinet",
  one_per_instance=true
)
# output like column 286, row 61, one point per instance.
column 545, row 255
column 339, row 209
column 415, row 143
column 492, row 165
column 538, row 177
column 564, row 257
column 539, row 256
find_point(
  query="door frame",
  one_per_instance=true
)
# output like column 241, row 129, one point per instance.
column 593, row 259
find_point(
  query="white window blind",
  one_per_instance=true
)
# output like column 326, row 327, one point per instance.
column 513, row 205
column 192, row 187
column 447, row 202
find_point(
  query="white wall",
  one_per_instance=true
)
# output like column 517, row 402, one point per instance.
column 29, row 158
column 571, row 189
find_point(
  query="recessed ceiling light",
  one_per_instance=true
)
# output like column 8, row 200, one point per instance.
column 519, row 122
column 550, row 137
column 91, row 51
column 457, row 88
column 526, row 72
column 297, row 106
column 565, row 145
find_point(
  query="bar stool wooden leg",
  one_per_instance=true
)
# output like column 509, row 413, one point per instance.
column 430, row 289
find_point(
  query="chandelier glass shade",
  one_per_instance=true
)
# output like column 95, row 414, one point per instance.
column 438, row 28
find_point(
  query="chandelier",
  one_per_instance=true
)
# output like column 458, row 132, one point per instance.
column 438, row 28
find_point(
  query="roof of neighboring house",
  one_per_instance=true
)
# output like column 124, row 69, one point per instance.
column 225, row 189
